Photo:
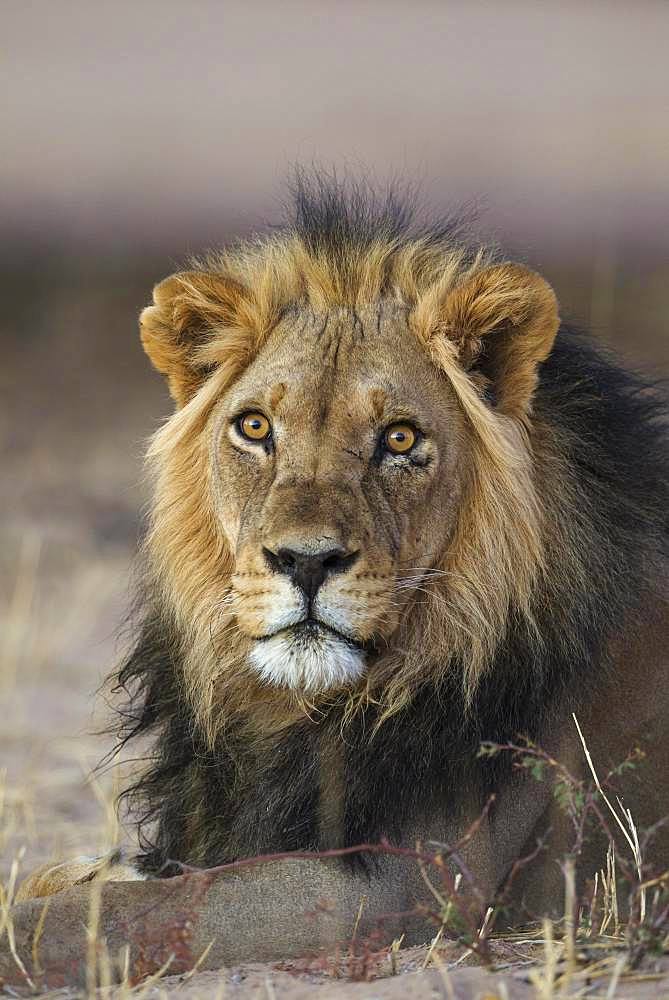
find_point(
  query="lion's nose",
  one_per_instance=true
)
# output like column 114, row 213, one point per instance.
column 309, row 568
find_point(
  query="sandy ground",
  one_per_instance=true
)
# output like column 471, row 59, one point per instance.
column 51, row 807
column 415, row 983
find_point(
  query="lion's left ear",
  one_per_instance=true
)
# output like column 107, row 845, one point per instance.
column 503, row 320
column 189, row 309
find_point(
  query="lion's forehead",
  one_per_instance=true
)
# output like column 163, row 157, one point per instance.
column 342, row 365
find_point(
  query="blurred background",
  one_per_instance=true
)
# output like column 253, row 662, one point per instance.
column 135, row 133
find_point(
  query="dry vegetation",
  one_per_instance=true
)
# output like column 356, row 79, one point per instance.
column 79, row 401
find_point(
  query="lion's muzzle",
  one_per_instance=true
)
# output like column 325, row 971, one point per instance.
column 309, row 645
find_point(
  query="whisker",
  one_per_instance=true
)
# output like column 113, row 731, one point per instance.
column 474, row 610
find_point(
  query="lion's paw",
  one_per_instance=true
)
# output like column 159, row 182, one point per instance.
column 53, row 878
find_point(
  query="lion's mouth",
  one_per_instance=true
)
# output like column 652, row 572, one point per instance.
column 313, row 629
column 310, row 655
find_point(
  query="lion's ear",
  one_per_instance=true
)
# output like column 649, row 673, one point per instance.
column 503, row 320
column 188, row 309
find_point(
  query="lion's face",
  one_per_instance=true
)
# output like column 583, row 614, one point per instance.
column 336, row 498
column 337, row 473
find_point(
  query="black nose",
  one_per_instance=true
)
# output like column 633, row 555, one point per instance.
column 308, row 570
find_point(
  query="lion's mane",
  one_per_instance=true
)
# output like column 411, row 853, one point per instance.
column 558, row 543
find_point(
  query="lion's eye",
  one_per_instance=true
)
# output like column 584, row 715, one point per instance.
column 400, row 438
column 254, row 426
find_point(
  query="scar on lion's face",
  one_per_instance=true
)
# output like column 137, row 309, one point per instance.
column 337, row 458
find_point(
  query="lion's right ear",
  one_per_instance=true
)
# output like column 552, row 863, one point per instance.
column 188, row 310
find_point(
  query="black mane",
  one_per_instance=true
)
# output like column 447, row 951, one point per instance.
column 332, row 216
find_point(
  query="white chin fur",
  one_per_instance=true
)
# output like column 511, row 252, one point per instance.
column 307, row 662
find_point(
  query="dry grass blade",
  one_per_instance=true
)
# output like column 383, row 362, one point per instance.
column 92, row 941
column 189, row 975
column 18, row 617
column 394, row 952
column 544, row 979
column 433, row 944
column 625, row 824
column 615, row 978
column 6, row 922
column 569, row 870
column 363, row 901
column 38, row 935
column 444, row 975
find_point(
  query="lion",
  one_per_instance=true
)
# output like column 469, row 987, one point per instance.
column 400, row 509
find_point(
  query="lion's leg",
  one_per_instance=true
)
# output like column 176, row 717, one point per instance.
column 265, row 912
column 52, row 878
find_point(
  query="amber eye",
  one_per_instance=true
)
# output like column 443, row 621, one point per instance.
column 400, row 438
column 254, row 426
